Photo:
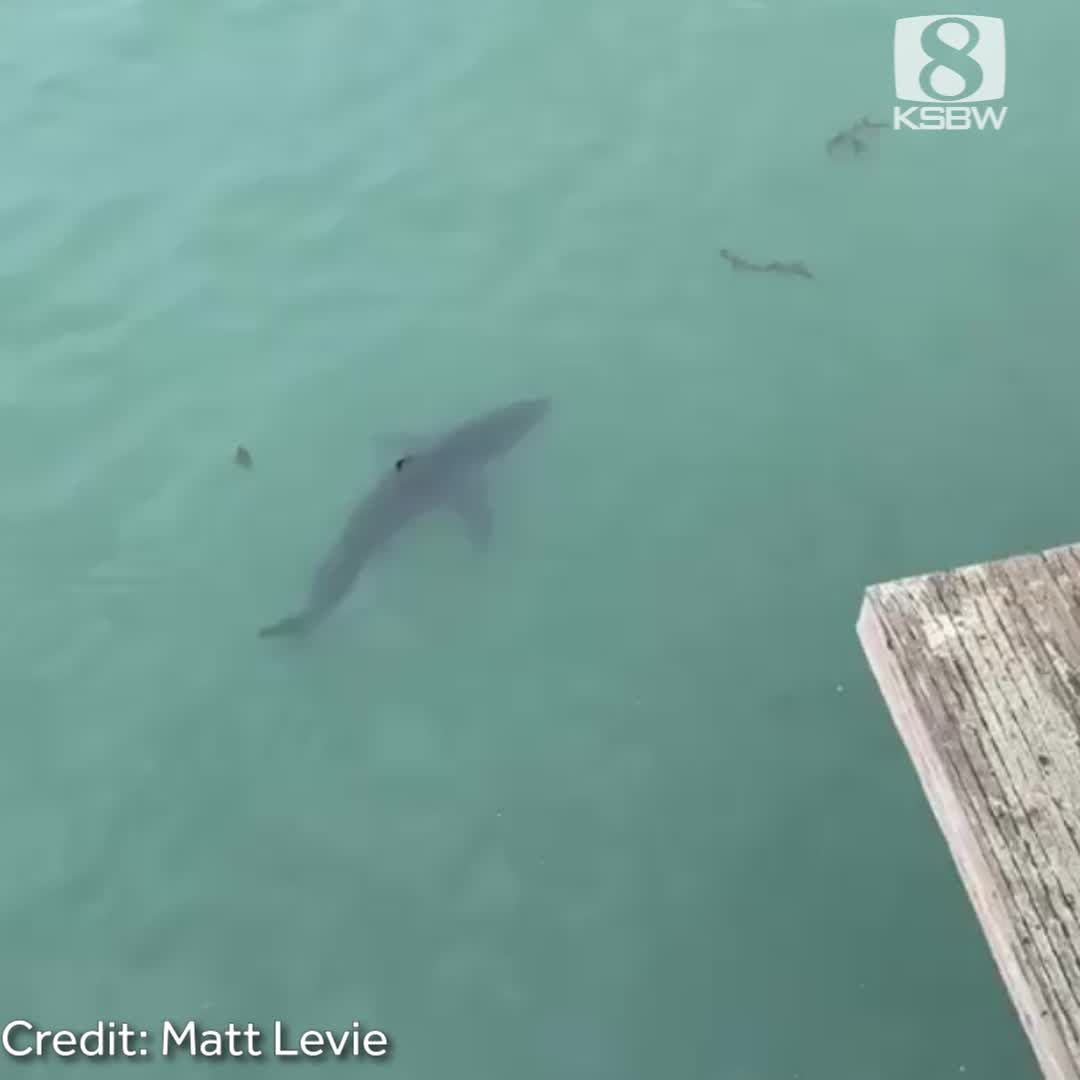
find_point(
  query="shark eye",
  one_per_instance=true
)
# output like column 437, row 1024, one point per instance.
column 401, row 463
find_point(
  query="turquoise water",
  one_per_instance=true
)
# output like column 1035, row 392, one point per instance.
column 619, row 799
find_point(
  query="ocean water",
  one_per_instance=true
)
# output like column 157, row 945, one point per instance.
column 619, row 798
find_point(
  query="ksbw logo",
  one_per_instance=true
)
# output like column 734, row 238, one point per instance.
column 949, row 60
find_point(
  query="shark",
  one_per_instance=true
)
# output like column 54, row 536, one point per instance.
column 446, row 472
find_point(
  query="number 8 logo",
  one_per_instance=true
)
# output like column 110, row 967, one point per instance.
column 969, row 66
column 944, row 55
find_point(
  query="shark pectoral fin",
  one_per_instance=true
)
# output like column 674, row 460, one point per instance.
column 469, row 500
column 291, row 624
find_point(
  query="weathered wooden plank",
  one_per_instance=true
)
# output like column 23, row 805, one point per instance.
column 980, row 668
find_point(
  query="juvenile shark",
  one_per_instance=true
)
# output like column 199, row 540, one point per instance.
column 446, row 472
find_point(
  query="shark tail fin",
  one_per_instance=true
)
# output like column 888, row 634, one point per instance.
column 292, row 624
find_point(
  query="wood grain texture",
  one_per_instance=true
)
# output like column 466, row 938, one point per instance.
column 980, row 668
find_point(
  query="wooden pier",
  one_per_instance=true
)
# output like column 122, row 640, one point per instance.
column 980, row 668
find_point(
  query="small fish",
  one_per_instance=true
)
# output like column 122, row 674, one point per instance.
column 849, row 138
column 737, row 261
column 242, row 457
column 846, row 139
column 798, row 269
column 795, row 268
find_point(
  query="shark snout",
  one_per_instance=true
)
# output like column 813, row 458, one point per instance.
column 532, row 411
column 497, row 432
